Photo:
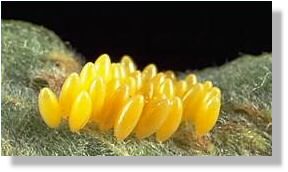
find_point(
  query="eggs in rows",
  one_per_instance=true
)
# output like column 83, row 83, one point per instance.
column 119, row 96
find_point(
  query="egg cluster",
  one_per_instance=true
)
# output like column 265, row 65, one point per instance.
column 118, row 96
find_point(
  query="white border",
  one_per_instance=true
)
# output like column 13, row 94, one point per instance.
column 279, row 6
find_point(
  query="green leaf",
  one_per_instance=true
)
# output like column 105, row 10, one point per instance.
column 33, row 57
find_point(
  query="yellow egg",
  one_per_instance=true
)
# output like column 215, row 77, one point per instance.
column 97, row 93
column 111, row 88
column 206, row 103
column 149, row 72
column 209, row 93
column 131, row 82
column 147, row 90
column 215, row 91
column 128, row 64
column 206, row 122
column 115, row 105
column 115, row 71
column 80, row 112
column 208, row 113
column 191, row 80
column 207, row 85
column 49, row 108
column 170, row 74
column 190, row 100
column 138, row 78
column 167, row 88
column 213, row 113
column 128, row 117
column 180, row 88
column 68, row 93
column 157, row 81
column 87, row 76
column 103, row 65
column 123, row 73
column 154, row 115
column 172, row 122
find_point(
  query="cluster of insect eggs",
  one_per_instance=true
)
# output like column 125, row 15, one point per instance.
column 118, row 96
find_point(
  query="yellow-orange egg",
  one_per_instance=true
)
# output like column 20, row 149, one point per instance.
column 191, row 80
column 157, row 81
column 191, row 102
column 149, row 72
column 80, row 112
column 147, row 90
column 68, row 93
column 111, row 88
column 114, row 106
column 128, row 64
column 172, row 122
column 128, row 117
column 154, row 115
column 49, row 108
column 208, row 114
column 138, row 78
column 103, row 65
column 87, row 76
column 170, row 74
column 180, row 88
column 115, row 71
column 167, row 88
column 131, row 82
column 97, row 93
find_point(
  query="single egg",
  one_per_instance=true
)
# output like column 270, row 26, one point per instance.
column 172, row 122
column 80, row 112
column 68, row 93
column 128, row 117
column 49, row 108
